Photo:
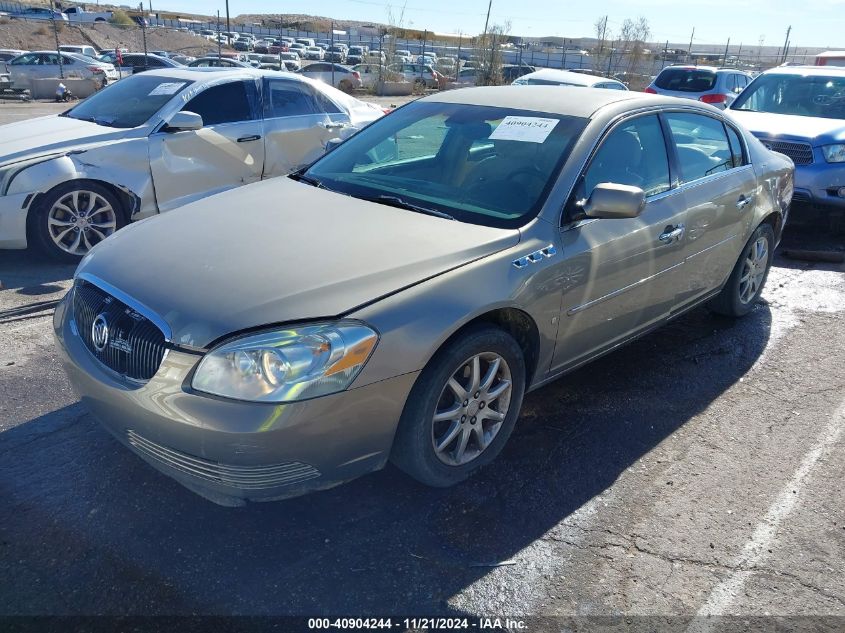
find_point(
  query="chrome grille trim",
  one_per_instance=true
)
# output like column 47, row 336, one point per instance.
column 801, row 153
column 136, row 345
column 240, row 477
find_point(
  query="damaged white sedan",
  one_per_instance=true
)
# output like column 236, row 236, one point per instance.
column 155, row 141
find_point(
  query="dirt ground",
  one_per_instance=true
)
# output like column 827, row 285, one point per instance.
column 30, row 35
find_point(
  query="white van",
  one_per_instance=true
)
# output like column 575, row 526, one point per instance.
column 81, row 49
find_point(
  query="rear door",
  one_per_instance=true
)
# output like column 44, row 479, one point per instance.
column 298, row 122
column 718, row 185
column 620, row 276
column 227, row 152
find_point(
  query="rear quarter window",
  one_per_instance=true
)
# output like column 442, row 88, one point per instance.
column 686, row 80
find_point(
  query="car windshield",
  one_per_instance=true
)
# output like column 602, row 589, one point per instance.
column 479, row 164
column 129, row 102
column 686, row 80
column 813, row 95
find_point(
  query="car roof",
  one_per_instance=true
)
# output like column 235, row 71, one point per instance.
column 243, row 72
column 552, row 99
column 805, row 71
column 564, row 76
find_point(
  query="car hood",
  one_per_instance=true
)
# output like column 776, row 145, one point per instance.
column 279, row 251
column 817, row 130
column 50, row 134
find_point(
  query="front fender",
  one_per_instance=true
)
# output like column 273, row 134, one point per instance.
column 414, row 323
column 125, row 166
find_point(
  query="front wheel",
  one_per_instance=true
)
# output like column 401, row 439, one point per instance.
column 462, row 409
column 75, row 216
column 749, row 275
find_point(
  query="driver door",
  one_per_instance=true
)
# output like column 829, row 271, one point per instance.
column 621, row 276
column 227, row 152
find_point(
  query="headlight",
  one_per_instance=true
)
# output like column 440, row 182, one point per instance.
column 834, row 153
column 288, row 364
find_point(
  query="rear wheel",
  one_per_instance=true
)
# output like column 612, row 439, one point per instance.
column 345, row 85
column 462, row 409
column 749, row 275
column 75, row 216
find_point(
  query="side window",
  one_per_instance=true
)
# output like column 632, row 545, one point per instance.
column 701, row 144
column 737, row 156
column 730, row 82
column 290, row 98
column 634, row 153
column 68, row 61
column 25, row 60
column 227, row 103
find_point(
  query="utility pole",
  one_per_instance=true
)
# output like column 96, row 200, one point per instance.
column 786, row 41
column 691, row 37
column 487, row 20
column 725, row 56
column 331, row 48
column 143, row 32
column 56, row 35
column 228, row 27
column 219, row 54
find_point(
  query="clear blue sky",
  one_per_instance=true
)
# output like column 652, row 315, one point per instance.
column 814, row 22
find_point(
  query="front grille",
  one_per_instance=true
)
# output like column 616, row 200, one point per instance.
column 800, row 153
column 134, row 346
column 240, row 477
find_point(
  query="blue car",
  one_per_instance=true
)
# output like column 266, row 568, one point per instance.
column 800, row 111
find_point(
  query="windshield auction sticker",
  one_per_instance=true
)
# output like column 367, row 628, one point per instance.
column 529, row 129
column 167, row 88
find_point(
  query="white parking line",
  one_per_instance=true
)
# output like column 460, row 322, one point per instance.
column 725, row 593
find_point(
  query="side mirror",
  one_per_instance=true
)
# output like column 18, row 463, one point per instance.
column 612, row 201
column 183, row 122
column 332, row 144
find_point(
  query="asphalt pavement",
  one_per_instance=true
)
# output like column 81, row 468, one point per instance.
column 696, row 471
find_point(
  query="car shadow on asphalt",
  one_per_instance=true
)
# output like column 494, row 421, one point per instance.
column 88, row 527
column 31, row 273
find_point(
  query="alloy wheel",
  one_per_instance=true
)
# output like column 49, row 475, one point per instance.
column 754, row 269
column 471, row 409
column 79, row 220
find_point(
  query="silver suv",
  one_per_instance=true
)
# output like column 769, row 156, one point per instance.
column 716, row 86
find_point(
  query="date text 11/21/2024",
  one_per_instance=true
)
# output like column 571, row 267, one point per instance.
column 421, row 623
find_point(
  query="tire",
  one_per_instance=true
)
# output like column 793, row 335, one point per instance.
column 54, row 226
column 345, row 85
column 748, row 277
column 414, row 449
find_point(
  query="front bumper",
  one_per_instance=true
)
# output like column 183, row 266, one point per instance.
column 228, row 451
column 818, row 183
column 13, row 212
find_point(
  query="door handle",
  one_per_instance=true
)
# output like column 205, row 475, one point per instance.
column 672, row 234
column 744, row 201
column 246, row 139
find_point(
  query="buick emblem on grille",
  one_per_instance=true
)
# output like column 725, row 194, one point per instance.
column 100, row 333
